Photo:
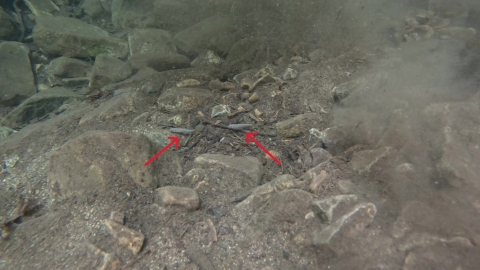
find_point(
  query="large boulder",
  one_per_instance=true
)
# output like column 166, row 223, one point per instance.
column 7, row 26
column 216, row 33
column 108, row 70
column 38, row 105
column 16, row 76
column 42, row 7
column 74, row 38
column 249, row 167
column 454, row 135
column 288, row 206
column 151, row 40
column 92, row 8
column 164, row 14
column 340, row 235
column 248, row 53
column 118, row 106
column 99, row 161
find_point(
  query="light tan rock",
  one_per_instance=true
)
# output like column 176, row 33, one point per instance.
column 183, row 197
column 126, row 236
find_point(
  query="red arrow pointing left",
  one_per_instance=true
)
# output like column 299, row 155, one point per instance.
column 175, row 140
column 249, row 137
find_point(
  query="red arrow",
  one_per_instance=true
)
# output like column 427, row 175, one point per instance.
column 249, row 136
column 175, row 140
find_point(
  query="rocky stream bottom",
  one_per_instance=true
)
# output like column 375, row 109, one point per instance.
column 75, row 193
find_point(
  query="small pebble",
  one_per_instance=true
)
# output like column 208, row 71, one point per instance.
column 176, row 120
column 189, row 83
column 220, row 110
column 296, row 59
column 182, row 130
column 254, row 98
column 289, row 74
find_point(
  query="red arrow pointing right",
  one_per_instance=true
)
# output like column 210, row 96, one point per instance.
column 175, row 141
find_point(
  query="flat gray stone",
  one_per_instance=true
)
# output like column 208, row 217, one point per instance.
column 69, row 67
column 328, row 209
column 151, row 40
column 148, row 78
column 122, row 91
column 158, row 61
column 208, row 58
column 334, row 139
column 54, row 35
column 345, row 186
column 38, row 105
column 423, row 240
column 416, row 216
column 116, row 107
column 183, row 99
column 455, row 129
column 108, row 70
column 343, row 90
column 288, row 206
column 453, row 253
column 248, row 166
column 299, row 125
column 284, row 182
column 458, row 32
column 339, row 235
column 260, row 195
column 42, row 7
column 16, row 76
column 183, row 197
column 319, row 155
column 76, row 82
